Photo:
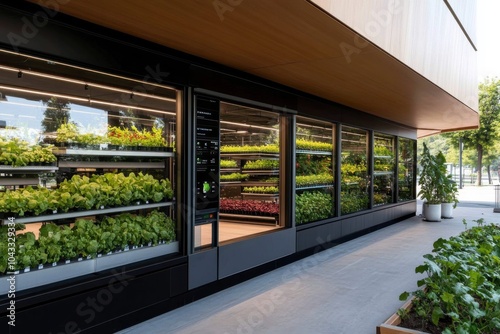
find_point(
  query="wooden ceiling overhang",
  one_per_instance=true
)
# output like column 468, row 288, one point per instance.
column 291, row 42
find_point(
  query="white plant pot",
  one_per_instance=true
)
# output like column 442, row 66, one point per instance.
column 447, row 210
column 433, row 212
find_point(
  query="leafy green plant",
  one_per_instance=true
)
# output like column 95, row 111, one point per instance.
column 49, row 241
column 261, row 190
column 432, row 176
column 228, row 163
column 67, row 133
column 270, row 148
column 353, row 201
column 261, row 164
column 312, row 206
column 313, row 180
column 234, row 177
column 27, row 252
column 310, row 145
column 19, row 153
column 462, row 286
column 86, row 234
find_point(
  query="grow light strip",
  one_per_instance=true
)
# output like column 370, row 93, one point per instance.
column 84, row 69
column 85, row 83
column 245, row 125
column 87, row 100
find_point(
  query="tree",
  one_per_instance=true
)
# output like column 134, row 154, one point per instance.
column 56, row 113
column 483, row 139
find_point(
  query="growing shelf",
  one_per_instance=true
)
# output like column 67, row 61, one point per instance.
column 251, row 155
column 61, row 271
column 111, row 165
column 382, row 173
column 122, row 153
column 261, row 172
column 313, row 152
column 15, row 181
column 315, row 187
column 242, row 218
column 269, row 197
column 259, row 184
column 27, row 169
column 230, row 170
column 76, row 214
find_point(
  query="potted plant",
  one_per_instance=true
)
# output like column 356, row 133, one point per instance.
column 449, row 198
column 448, row 189
column 432, row 179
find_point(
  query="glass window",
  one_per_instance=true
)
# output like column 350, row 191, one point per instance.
column 86, row 163
column 354, row 183
column 383, row 169
column 406, row 169
column 249, row 171
column 314, row 178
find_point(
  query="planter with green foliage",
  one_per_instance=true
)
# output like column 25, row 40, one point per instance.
column 462, row 286
column 433, row 178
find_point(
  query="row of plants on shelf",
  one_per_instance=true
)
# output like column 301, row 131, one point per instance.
column 460, row 293
column 18, row 153
column 69, row 134
column 87, row 238
column 307, row 164
column 311, row 145
column 248, row 207
column 313, row 180
column 301, row 144
column 383, row 166
column 353, row 201
column 261, row 190
column 382, row 151
column 312, row 206
column 84, row 193
column 226, row 163
column 261, row 164
column 353, row 169
column 269, row 148
column 234, row 177
column 380, row 198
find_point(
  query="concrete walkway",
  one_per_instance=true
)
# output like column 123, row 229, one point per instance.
column 348, row 289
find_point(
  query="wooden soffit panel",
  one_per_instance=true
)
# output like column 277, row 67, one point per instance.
column 291, row 42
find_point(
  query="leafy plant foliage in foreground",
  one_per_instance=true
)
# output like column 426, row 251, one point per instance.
column 462, row 289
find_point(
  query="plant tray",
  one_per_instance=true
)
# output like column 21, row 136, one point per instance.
column 51, row 274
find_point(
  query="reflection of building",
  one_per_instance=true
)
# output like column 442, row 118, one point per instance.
column 293, row 122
